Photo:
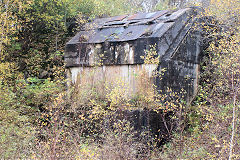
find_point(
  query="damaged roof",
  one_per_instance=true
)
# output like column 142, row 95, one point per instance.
column 132, row 27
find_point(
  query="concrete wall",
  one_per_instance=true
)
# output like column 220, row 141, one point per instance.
column 132, row 76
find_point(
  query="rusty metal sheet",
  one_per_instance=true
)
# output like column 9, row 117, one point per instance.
column 138, row 16
column 117, row 18
column 132, row 17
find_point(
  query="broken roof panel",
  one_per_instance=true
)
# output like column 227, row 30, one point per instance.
column 132, row 27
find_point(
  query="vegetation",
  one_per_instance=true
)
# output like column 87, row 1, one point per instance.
column 39, row 119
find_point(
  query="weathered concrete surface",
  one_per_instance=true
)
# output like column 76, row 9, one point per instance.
column 117, row 44
column 115, row 74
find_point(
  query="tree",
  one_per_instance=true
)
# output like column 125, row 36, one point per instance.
column 221, row 84
column 32, row 38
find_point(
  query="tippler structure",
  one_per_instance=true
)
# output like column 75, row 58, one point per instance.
column 120, row 43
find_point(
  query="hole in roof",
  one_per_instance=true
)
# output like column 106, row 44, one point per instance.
column 113, row 24
column 134, row 22
column 169, row 21
column 169, row 14
column 150, row 22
